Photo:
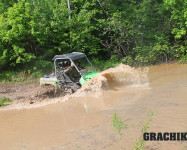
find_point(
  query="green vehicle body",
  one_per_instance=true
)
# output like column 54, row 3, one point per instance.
column 87, row 77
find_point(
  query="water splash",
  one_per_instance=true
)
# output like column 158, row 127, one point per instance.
column 120, row 75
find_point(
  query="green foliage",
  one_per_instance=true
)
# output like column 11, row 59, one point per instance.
column 183, row 59
column 14, row 31
column 33, row 70
column 5, row 101
column 105, row 64
column 36, row 74
column 178, row 16
column 83, row 25
column 12, row 76
column 140, row 144
column 118, row 125
column 43, row 66
column 145, row 32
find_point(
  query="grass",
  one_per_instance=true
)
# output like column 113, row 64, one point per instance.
column 5, row 101
column 21, row 73
column 12, row 77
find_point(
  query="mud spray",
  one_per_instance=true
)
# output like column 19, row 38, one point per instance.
column 121, row 75
column 110, row 78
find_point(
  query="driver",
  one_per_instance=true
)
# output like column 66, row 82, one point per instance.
column 78, row 65
column 70, row 69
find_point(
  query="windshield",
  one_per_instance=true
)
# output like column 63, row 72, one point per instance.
column 84, row 66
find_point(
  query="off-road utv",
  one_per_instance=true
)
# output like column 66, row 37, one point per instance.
column 71, row 71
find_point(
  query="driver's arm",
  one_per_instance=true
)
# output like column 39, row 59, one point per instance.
column 69, row 68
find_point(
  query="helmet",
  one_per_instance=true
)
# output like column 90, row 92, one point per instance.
column 66, row 63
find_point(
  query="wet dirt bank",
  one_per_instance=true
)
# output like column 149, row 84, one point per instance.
column 85, row 122
column 29, row 92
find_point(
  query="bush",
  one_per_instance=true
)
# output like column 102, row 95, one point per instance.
column 36, row 74
column 43, row 66
column 32, row 70
column 105, row 64
column 5, row 101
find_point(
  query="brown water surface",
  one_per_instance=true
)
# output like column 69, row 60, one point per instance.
column 84, row 123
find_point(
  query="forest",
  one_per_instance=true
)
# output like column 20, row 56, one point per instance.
column 133, row 32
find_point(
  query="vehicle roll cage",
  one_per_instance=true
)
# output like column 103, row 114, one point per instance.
column 72, row 57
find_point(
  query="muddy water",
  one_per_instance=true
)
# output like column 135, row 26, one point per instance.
column 84, row 123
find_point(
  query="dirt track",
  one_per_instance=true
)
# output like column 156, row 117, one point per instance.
column 18, row 91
